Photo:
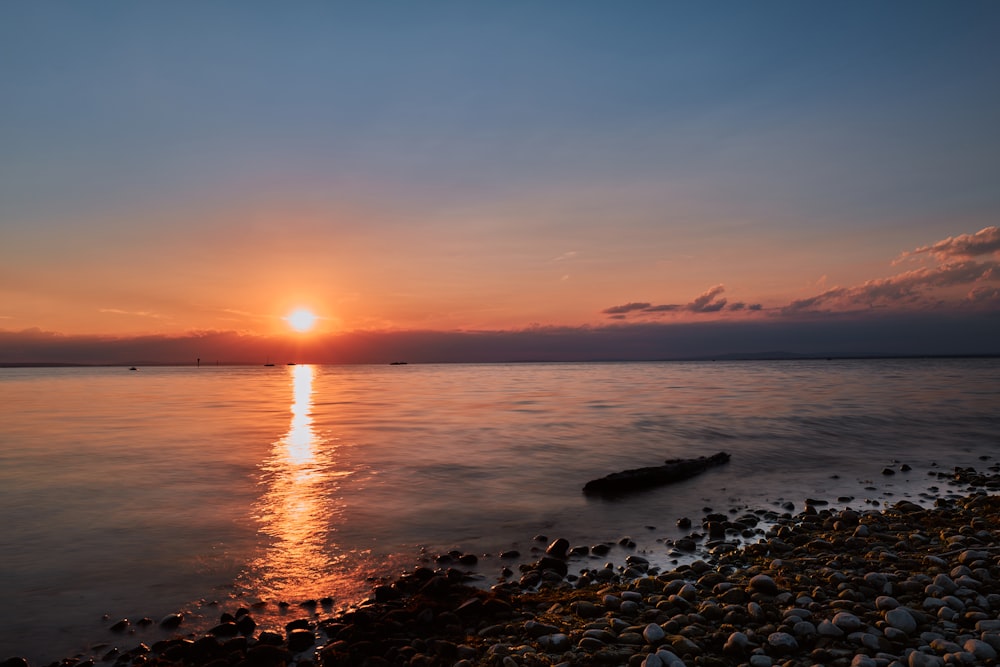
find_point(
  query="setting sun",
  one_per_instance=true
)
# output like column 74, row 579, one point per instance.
column 301, row 319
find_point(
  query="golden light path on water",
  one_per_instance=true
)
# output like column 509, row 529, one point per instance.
column 299, row 509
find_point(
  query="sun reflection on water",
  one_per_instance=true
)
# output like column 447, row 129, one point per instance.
column 299, row 508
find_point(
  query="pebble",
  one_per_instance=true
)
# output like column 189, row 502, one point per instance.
column 653, row 634
column 901, row 619
column 980, row 649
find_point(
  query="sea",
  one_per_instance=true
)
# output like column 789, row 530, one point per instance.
column 134, row 494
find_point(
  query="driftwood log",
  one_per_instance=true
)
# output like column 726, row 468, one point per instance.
column 673, row 470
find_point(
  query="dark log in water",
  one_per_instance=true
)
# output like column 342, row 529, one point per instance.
column 673, row 470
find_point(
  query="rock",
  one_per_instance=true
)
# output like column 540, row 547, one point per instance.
column 653, row 634
column 536, row 629
column 918, row 659
column 762, row 583
column 971, row 556
column 558, row 549
column 828, row 629
column 885, row 602
column 901, row 619
column 171, row 621
column 760, row 660
column 980, row 649
column 669, row 658
column 300, row 640
column 737, row 643
column 848, row 622
column 555, row 643
column 673, row 470
column 782, row 642
column 120, row 626
column 652, row 660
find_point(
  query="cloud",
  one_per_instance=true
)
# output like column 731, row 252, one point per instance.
column 917, row 289
column 626, row 308
column 566, row 255
column 705, row 302
column 132, row 313
column 910, row 288
column 984, row 242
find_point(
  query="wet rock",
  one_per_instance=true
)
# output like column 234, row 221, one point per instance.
column 558, row 549
column 300, row 639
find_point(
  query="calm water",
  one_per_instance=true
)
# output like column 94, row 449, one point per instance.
column 142, row 493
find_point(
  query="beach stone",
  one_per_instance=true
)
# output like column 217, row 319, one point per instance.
column 558, row 549
column 782, row 642
column 653, row 634
column 629, row 608
column 828, row 629
column 862, row 660
column 555, row 643
column 886, row 602
column 918, row 659
column 652, row 660
column 980, row 649
column 669, row 658
column 171, row 621
column 760, row 660
column 895, row 634
column 901, row 619
column 738, row 642
column 803, row 629
column 762, row 583
column 300, row 640
column 988, row 626
column 971, row 556
column 848, row 622
column 586, row 609
column 536, row 629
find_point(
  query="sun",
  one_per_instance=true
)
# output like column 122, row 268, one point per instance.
column 301, row 319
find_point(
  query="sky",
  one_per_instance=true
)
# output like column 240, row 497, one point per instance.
column 463, row 181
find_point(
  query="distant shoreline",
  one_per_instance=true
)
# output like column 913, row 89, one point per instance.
column 722, row 357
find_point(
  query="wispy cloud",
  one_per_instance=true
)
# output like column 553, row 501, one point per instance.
column 984, row 242
column 706, row 302
column 566, row 255
column 626, row 308
column 132, row 313
column 919, row 287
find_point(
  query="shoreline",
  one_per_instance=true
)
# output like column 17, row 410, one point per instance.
column 820, row 586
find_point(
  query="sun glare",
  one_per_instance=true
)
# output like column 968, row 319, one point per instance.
column 301, row 319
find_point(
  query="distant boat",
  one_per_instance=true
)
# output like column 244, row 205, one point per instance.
column 398, row 363
column 268, row 362
column 291, row 363
column 133, row 368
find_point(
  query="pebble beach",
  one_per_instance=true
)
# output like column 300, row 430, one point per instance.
column 906, row 584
